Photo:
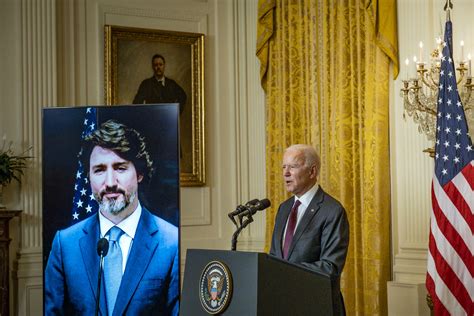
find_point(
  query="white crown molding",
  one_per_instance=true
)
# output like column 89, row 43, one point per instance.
column 181, row 15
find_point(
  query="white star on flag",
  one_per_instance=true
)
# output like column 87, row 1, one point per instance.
column 82, row 190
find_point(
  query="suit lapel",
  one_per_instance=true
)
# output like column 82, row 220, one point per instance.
column 280, row 228
column 90, row 258
column 142, row 251
column 310, row 212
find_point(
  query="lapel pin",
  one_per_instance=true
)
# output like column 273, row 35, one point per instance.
column 312, row 210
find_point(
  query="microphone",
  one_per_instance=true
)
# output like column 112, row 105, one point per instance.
column 242, row 208
column 102, row 250
column 247, row 210
column 252, row 209
column 102, row 247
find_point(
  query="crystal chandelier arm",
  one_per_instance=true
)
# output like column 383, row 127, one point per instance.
column 414, row 103
column 422, row 107
column 421, row 70
column 433, row 75
column 431, row 83
column 462, row 70
column 466, row 105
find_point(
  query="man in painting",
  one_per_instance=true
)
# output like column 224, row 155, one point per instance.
column 159, row 88
column 141, row 268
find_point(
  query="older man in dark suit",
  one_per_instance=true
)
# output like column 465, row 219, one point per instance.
column 159, row 88
column 311, row 228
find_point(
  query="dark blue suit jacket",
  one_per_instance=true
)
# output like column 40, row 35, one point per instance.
column 150, row 283
column 321, row 239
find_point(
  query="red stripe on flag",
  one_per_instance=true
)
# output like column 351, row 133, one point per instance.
column 438, row 306
column 452, row 235
column 461, row 205
column 445, row 272
column 468, row 172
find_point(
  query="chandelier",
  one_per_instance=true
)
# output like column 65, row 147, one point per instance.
column 420, row 93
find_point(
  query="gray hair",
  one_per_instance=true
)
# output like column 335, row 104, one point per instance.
column 311, row 157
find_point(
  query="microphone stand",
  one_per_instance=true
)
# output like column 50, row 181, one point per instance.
column 245, row 211
column 233, row 219
column 99, row 278
column 237, row 232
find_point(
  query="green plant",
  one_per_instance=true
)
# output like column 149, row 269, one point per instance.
column 11, row 165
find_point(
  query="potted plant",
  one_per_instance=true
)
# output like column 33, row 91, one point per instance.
column 11, row 166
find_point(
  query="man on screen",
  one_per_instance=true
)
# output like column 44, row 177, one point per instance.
column 311, row 228
column 158, row 88
column 141, row 269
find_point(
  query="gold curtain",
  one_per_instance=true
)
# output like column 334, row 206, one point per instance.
column 325, row 69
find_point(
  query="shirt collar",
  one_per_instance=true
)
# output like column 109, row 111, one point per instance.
column 306, row 198
column 128, row 225
column 162, row 80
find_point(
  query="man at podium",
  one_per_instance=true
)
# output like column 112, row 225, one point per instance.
column 311, row 228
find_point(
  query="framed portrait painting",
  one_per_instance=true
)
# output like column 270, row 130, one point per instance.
column 145, row 66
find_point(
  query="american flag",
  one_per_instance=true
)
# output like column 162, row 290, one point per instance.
column 83, row 203
column 450, row 274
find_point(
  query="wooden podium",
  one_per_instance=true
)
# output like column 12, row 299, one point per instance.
column 261, row 285
column 5, row 217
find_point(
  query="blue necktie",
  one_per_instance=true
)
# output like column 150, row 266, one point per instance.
column 113, row 268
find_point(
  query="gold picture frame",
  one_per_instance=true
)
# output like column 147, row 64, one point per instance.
column 128, row 59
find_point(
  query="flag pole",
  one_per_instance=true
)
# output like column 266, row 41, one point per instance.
column 448, row 7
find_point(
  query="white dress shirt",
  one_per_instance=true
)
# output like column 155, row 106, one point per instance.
column 305, row 199
column 128, row 225
column 161, row 81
